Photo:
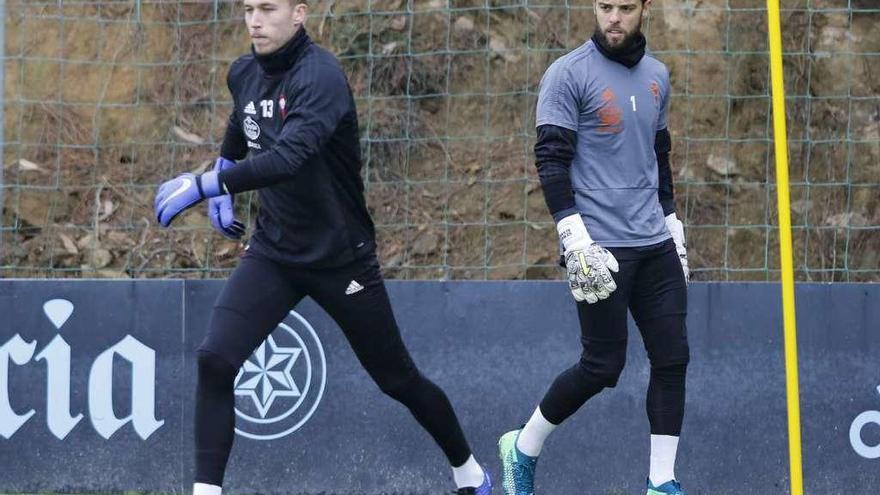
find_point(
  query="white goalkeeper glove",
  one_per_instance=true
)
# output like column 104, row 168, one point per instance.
column 589, row 265
column 676, row 228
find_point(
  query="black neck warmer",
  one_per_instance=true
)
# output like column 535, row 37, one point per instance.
column 628, row 55
column 283, row 58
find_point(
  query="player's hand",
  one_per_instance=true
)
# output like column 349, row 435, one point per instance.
column 589, row 265
column 220, row 209
column 676, row 228
column 182, row 192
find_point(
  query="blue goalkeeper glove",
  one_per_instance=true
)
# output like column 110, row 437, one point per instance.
column 183, row 192
column 220, row 209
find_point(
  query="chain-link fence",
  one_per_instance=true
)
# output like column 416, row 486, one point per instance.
column 104, row 99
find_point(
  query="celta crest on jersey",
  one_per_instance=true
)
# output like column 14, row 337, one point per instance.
column 655, row 90
column 610, row 114
column 251, row 129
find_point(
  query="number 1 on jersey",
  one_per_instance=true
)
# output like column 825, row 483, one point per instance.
column 633, row 100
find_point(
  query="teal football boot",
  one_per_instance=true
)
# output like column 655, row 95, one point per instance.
column 517, row 469
column 669, row 488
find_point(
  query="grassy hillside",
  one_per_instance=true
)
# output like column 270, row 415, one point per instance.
column 104, row 100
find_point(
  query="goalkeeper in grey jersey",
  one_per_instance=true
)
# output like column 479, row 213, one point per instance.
column 603, row 159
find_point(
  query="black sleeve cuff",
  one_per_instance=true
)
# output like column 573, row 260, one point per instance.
column 259, row 171
column 559, row 197
column 238, row 178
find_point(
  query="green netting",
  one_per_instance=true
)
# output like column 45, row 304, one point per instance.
column 104, row 99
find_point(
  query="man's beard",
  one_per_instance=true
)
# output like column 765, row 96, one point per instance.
column 625, row 44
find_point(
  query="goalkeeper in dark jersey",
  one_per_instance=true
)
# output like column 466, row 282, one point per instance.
column 603, row 159
column 295, row 113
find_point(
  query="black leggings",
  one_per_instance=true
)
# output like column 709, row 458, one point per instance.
column 256, row 298
column 651, row 284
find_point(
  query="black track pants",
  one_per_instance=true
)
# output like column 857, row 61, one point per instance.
column 651, row 285
column 256, row 298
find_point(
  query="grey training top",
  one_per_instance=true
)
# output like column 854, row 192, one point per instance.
column 616, row 112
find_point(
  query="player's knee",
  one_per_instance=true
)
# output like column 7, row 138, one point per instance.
column 603, row 368
column 669, row 373
column 399, row 388
column 672, row 359
column 214, row 370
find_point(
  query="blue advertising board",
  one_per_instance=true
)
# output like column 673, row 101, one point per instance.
column 97, row 383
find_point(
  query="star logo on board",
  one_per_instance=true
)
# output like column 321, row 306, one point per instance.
column 280, row 386
column 266, row 375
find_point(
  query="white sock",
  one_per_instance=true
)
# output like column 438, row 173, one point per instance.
column 206, row 489
column 531, row 438
column 469, row 474
column 663, row 450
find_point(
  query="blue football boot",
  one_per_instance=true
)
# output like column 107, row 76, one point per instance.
column 483, row 489
column 517, row 469
column 671, row 487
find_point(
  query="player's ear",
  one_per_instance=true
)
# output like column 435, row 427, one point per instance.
column 300, row 12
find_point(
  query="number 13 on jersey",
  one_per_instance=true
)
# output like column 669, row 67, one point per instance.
column 269, row 108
